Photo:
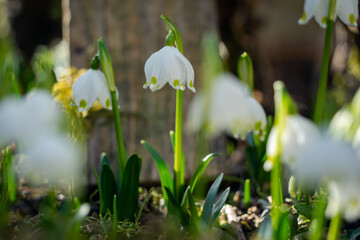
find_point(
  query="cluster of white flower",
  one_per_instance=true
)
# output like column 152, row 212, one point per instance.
column 33, row 123
column 315, row 157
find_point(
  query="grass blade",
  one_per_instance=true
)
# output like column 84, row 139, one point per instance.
column 210, row 199
column 218, row 206
column 200, row 170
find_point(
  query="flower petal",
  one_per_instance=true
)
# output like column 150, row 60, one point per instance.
column 347, row 10
column 189, row 71
column 310, row 7
column 85, row 89
column 104, row 96
column 322, row 12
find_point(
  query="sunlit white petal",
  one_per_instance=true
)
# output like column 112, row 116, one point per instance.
column 227, row 107
column 344, row 198
column 299, row 133
column 328, row 159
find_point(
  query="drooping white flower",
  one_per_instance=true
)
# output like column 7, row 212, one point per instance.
column 88, row 88
column 298, row 134
column 22, row 119
column 168, row 65
column 347, row 10
column 227, row 107
column 344, row 198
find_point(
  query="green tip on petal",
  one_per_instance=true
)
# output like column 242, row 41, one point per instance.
column 191, row 84
column 83, row 104
column 153, row 80
column 107, row 103
column 258, row 126
column 303, row 17
column 352, row 19
column 176, row 82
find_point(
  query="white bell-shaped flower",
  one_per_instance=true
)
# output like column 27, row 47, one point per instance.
column 297, row 135
column 227, row 107
column 168, row 65
column 347, row 10
column 88, row 88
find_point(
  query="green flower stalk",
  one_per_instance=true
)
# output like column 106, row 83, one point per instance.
column 335, row 226
column 321, row 94
column 179, row 165
column 284, row 106
column 168, row 65
column 109, row 74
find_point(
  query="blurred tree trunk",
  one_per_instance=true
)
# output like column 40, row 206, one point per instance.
column 133, row 30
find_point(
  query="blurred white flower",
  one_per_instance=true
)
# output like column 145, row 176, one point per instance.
column 53, row 157
column 327, row 159
column 89, row 87
column 22, row 119
column 168, row 65
column 341, row 125
column 347, row 10
column 344, row 198
column 34, row 124
column 297, row 135
column 227, row 107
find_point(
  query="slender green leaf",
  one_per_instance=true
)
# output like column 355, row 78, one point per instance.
column 142, row 206
column 184, row 201
column 210, row 199
column 193, row 210
column 283, row 227
column 115, row 220
column 107, row 188
column 200, row 170
column 164, row 172
column 129, row 192
column 177, row 208
column 218, row 206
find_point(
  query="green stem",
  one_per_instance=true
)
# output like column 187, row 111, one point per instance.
column 276, row 188
column 335, row 226
column 178, row 163
column 321, row 94
column 121, row 156
column 318, row 218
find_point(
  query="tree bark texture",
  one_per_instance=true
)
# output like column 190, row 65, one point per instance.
column 133, row 30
